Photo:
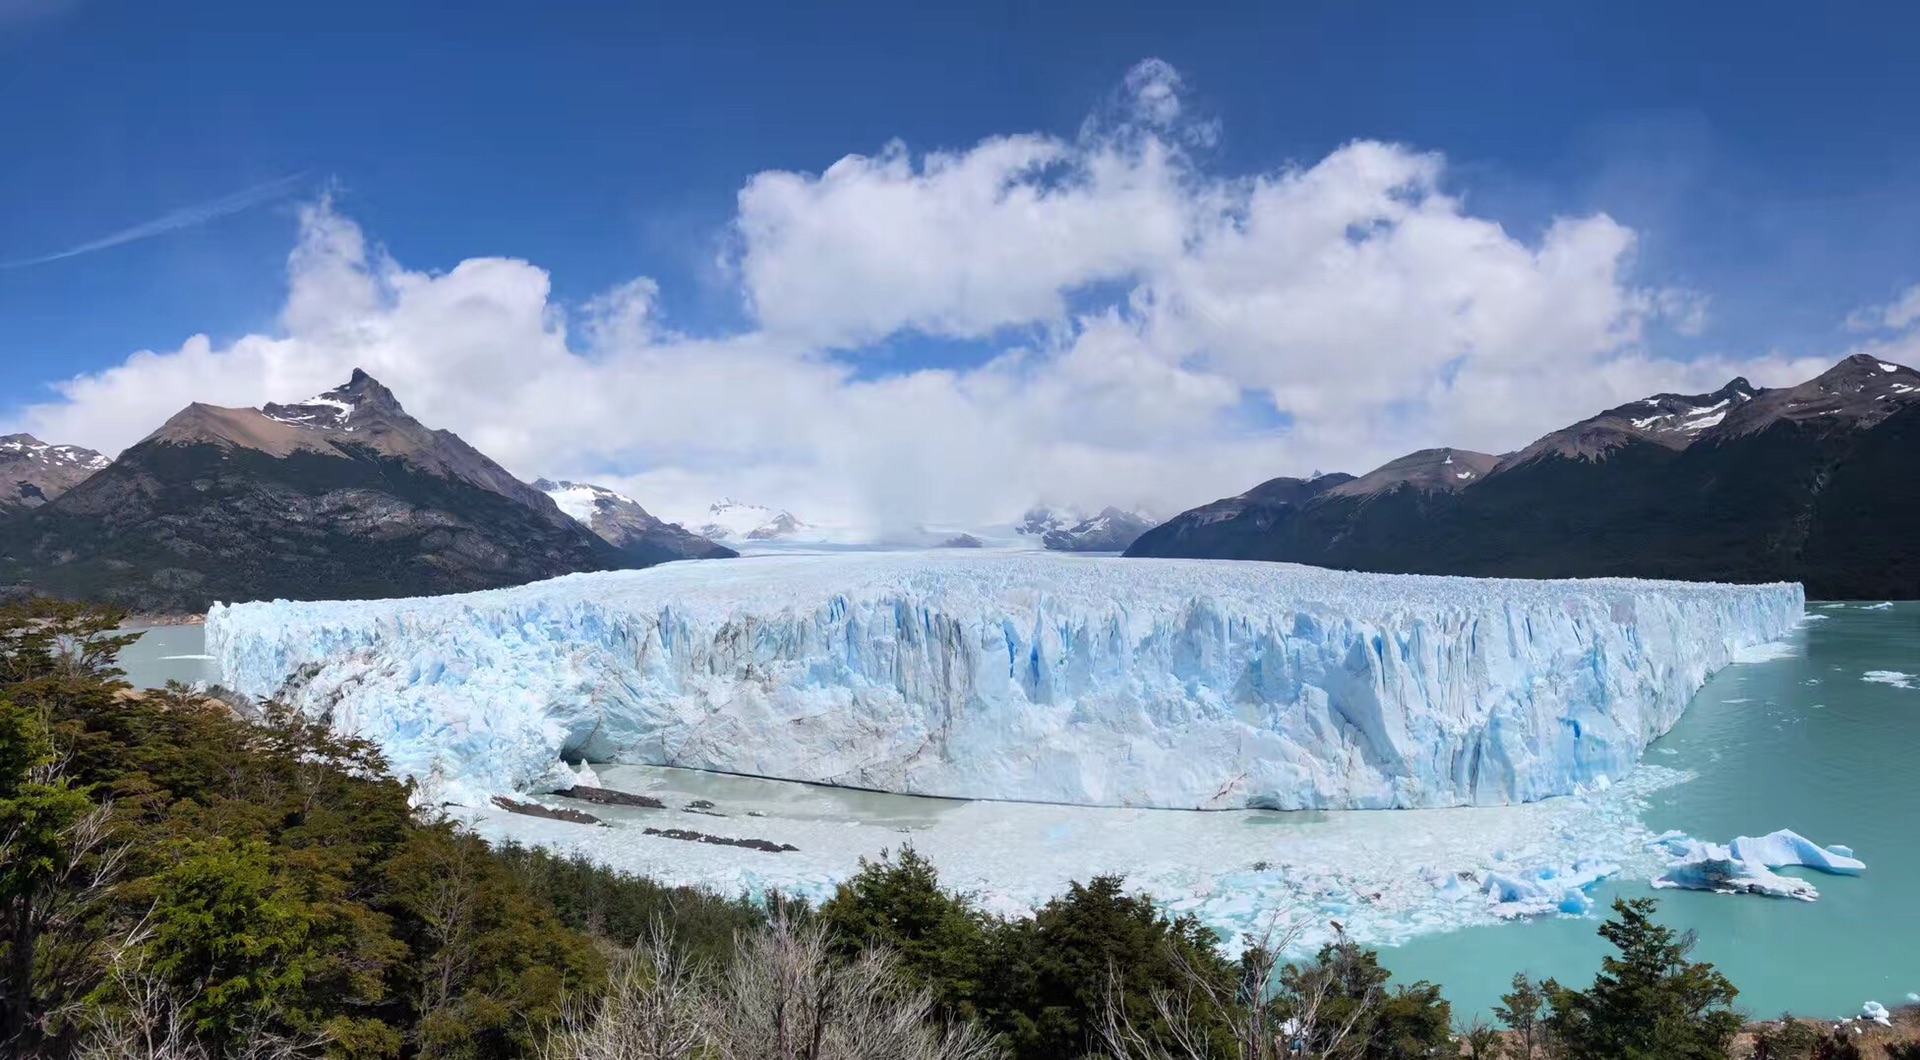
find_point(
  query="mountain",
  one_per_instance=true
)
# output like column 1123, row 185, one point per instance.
column 1043, row 520
column 731, row 520
column 340, row 496
column 1062, row 530
column 1813, row 483
column 33, row 473
column 1429, row 471
column 624, row 524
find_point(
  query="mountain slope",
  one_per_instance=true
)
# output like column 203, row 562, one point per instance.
column 731, row 520
column 624, row 524
column 1064, row 530
column 340, row 496
column 1813, row 483
column 33, row 473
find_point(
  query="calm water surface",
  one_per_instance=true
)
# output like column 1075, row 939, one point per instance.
column 1800, row 742
column 167, row 653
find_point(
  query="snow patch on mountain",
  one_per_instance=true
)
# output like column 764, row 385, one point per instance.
column 581, row 500
column 1067, row 530
column 27, row 447
column 737, row 521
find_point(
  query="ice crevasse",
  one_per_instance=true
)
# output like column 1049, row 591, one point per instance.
column 1051, row 678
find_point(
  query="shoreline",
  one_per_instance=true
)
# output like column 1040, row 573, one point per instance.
column 150, row 621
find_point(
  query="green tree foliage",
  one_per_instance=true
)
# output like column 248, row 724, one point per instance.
column 56, row 867
column 1042, row 984
column 219, row 880
column 940, row 939
column 272, row 877
column 1343, row 1007
column 1648, row 1003
column 625, row 908
column 1479, row 1040
column 1052, row 976
column 230, row 934
column 492, row 964
column 1524, row 1011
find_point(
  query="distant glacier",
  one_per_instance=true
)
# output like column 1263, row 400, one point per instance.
column 1037, row 677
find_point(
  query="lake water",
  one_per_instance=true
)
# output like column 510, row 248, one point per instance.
column 168, row 653
column 1800, row 741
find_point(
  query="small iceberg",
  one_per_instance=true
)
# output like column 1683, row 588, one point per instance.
column 1884, row 605
column 1875, row 1011
column 1745, row 866
column 1889, row 677
column 1516, row 894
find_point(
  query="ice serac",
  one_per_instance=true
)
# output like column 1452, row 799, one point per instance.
column 1052, row 678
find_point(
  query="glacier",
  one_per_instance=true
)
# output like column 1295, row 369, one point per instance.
column 1019, row 676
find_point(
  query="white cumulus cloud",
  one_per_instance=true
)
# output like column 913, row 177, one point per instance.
column 1151, row 333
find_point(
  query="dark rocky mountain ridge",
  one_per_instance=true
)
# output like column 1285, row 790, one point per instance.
column 1813, row 483
column 341, row 496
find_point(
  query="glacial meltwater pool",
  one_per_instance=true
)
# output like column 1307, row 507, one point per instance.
column 1804, row 740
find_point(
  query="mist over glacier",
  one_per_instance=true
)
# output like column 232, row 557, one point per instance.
column 1037, row 677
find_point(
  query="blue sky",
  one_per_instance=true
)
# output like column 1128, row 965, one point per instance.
column 1766, row 161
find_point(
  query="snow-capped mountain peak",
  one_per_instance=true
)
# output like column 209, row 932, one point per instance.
column 338, row 409
column 620, row 521
column 36, row 472
column 730, row 519
column 17, row 447
column 1065, row 530
column 582, row 500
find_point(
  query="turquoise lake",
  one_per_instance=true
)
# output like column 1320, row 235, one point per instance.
column 1801, row 741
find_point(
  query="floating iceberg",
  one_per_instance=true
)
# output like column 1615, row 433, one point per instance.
column 1050, row 678
column 1745, row 866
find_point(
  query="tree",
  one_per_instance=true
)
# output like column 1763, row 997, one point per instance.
column 896, row 903
column 1523, row 1010
column 490, row 967
column 229, row 935
column 1343, row 1007
column 57, row 865
column 1482, row 1041
column 1334, row 1007
column 1648, row 1003
column 1051, row 979
column 784, row 996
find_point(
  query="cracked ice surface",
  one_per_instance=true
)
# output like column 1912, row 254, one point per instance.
column 1050, row 678
column 1386, row 876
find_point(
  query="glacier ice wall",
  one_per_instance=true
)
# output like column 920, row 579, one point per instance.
column 1052, row 678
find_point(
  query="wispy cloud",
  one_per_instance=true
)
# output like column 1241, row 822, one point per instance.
column 175, row 220
column 21, row 12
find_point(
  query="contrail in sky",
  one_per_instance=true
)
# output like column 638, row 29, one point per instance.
column 173, row 221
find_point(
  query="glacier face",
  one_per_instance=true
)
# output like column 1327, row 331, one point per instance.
column 1040, row 677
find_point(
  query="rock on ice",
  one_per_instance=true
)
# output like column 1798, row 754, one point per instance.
column 1054, row 678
